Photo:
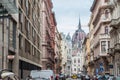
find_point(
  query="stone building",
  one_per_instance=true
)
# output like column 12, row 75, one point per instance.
column 64, row 53
column 69, row 55
column 86, row 51
column 58, row 55
column 48, row 35
column 99, row 26
column 114, row 50
column 27, row 36
column 77, row 51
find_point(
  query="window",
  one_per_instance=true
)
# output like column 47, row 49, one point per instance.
column 106, row 30
column 79, row 69
column 27, row 46
column 20, row 41
column 103, row 46
column 108, row 44
column 118, row 69
column 74, row 60
column 106, row 14
column 74, row 69
column 12, row 34
column 78, row 60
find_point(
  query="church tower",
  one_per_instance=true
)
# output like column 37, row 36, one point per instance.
column 77, row 54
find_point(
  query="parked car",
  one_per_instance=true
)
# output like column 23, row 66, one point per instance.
column 62, row 76
column 42, row 75
column 8, row 75
column 78, row 76
column 118, row 78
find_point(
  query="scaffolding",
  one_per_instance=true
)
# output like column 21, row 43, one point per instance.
column 8, row 7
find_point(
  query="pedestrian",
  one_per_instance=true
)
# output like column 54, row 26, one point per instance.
column 56, row 78
column 29, row 77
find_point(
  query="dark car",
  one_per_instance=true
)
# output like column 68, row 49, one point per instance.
column 61, row 77
column 78, row 76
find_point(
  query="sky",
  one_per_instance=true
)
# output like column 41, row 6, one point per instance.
column 68, row 12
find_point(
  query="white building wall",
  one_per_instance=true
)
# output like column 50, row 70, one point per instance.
column 78, row 66
column 64, row 53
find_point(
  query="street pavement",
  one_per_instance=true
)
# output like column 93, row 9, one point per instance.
column 72, row 79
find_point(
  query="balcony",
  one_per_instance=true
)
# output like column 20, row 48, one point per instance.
column 106, row 4
column 105, row 20
column 111, row 51
column 104, row 36
column 117, row 47
column 115, row 22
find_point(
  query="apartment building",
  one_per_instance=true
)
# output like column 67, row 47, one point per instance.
column 114, row 50
column 64, row 53
column 48, row 35
column 8, row 35
column 27, row 36
column 69, row 55
column 58, row 54
column 86, row 49
column 99, row 35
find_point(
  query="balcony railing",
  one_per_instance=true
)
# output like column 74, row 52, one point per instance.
column 104, row 36
column 115, row 22
column 117, row 47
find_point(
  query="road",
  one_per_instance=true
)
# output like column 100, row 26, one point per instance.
column 72, row 79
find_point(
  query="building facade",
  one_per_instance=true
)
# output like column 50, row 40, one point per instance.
column 99, row 33
column 114, row 50
column 86, row 51
column 77, row 50
column 69, row 55
column 64, row 53
column 58, row 55
column 48, row 35
column 27, row 39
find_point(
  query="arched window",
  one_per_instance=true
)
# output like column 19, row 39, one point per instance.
column 106, row 30
column 74, row 60
column 78, row 60
column 106, row 14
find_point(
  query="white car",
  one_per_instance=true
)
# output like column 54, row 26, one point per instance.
column 42, row 75
column 7, row 75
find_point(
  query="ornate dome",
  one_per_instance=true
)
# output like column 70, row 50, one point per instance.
column 68, row 37
column 78, row 38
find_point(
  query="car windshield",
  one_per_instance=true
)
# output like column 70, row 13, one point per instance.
column 42, row 74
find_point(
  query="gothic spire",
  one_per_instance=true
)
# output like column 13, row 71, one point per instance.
column 79, row 25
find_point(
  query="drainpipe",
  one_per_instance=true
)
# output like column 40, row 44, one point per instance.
column 3, row 65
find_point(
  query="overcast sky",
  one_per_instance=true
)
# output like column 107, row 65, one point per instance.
column 67, row 13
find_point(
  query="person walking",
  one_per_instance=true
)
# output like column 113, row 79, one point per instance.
column 29, row 78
